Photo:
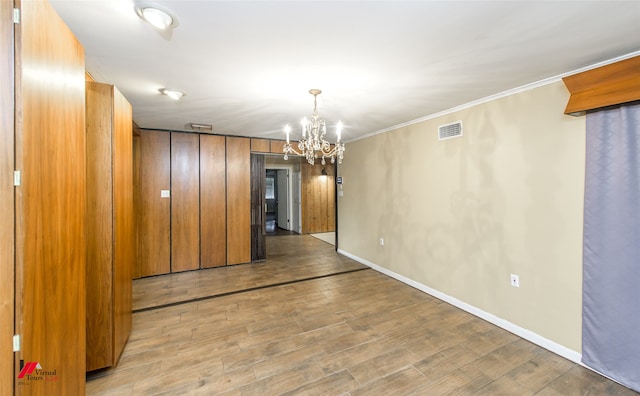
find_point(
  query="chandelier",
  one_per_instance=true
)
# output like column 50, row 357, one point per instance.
column 312, row 145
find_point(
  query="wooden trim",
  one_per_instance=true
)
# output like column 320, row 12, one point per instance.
column 604, row 86
column 7, row 203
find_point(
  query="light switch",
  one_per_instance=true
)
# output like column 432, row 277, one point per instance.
column 165, row 193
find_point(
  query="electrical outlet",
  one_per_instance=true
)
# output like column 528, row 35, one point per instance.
column 515, row 280
column 381, row 241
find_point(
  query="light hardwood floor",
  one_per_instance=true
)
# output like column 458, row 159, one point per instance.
column 345, row 331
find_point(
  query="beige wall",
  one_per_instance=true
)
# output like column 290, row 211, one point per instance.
column 460, row 215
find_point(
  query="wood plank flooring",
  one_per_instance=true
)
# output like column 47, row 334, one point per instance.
column 313, row 258
column 351, row 333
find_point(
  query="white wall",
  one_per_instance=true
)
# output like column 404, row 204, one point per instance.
column 459, row 216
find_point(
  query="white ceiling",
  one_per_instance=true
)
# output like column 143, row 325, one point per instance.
column 247, row 66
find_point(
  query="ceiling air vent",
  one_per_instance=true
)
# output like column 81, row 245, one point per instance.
column 450, row 131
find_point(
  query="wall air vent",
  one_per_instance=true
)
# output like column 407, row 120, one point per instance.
column 450, row 130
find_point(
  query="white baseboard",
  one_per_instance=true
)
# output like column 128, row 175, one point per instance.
column 505, row 324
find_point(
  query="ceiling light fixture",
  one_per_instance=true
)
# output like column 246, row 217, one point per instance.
column 313, row 145
column 172, row 93
column 159, row 17
column 201, row 127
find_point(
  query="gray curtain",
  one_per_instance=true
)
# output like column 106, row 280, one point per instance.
column 611, row 283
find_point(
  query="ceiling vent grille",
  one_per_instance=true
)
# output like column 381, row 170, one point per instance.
column 450, row 131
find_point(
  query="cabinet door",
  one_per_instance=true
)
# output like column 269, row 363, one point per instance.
column 260, row 145
column 50, row 202
column 185, row 202
column 153, row 217
column 276, row 146
column 213, row 205
column 238, row 200
column 7, row 203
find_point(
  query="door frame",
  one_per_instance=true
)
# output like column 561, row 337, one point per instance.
column 287, row 195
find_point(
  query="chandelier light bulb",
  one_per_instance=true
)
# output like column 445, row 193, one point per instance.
column 287, row 129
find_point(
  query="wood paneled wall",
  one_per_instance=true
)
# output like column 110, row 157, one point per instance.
column 238, row 200
column 50, row 201
column 213, row 202
column 318, row 198
column 7, row 205
column 210, row 201
column 154, row 216
column 185, row 202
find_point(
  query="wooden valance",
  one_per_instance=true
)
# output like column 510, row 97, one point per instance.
column 604, row 86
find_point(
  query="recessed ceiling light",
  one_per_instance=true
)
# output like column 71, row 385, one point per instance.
column 172, row 93
column 159, row 17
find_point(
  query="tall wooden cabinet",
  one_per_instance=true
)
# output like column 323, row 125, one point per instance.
column 50, row 210
column 110, row 224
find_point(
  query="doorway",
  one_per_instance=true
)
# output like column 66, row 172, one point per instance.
column 281, row 195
